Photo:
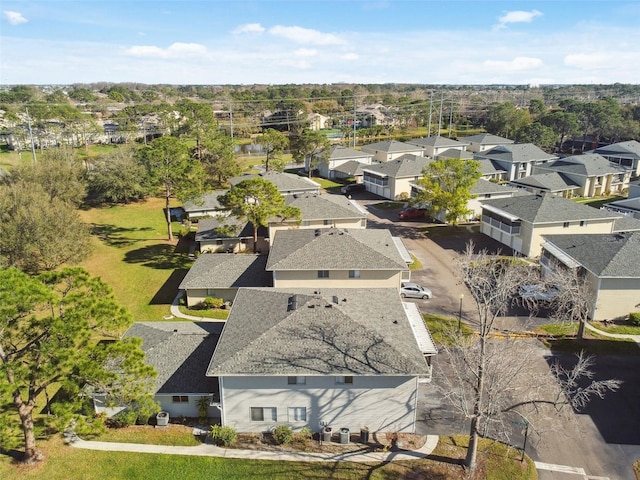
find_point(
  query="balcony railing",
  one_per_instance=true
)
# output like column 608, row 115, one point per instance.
column 509, row 229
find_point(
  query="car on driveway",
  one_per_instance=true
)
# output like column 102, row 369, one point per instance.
column 411, row 212
column 413, row 290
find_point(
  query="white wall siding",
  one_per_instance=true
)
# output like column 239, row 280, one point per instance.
column 382, row 403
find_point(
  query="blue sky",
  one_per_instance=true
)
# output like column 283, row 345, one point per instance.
column 304, row 41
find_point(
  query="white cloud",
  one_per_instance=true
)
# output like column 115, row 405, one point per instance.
column 350, row 56
column 305, row 35
column 305, row 52
column 175, row 50
column 588, row 60
column 517, row 16
column 248, row 28
column 14, row 18
column 518, row 64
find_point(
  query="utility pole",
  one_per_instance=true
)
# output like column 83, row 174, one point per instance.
column 354, row 121
column 440, row 118
column 451, row 118
column 231, row 118
column 33, row 146
column 430, row 108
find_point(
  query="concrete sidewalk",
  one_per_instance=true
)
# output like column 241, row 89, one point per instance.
column 635, row 338
column 207, row 450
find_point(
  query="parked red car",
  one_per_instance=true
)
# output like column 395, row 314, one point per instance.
column 411, row 212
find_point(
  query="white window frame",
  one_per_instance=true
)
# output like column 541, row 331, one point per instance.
column 354, row 273
column 344, row 380
column 268, row 414
column 296, row 380
column 323, row 273
column 180, row 399
column 297, row 414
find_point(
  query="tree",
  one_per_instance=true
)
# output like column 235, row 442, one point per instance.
column 51, row 327
column 562, row 123
column 218, row 158
column 487, row 373
column 117, row 178
column 446, row 186
column 169, row 167
column 273, row 144
column 197, row 121
column 537, row 134
column 255, row 200
column 37, row 232
column 313, row 145
column 504, row 119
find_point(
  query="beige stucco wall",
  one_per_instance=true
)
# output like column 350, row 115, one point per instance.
column 382, row 403
column 337, row 279
column 532, row 240
column 616, row 297
column 401, row 185
column 197, row 295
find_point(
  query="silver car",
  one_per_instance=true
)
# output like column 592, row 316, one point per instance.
column 413, row 290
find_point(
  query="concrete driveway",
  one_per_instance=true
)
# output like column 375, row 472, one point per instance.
column 598, row 444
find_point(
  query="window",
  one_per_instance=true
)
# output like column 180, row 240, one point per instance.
column 328, row 222
column 323, row 273
column 583, row 223
column 296, row 380
column 565, row 225
column 218, row 242
column 180, row 399
column 354, row 273
column 305, row 223
column 263, row 414
column 344, row 380
column 297, row 414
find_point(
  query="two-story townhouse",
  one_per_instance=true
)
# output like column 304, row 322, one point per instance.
column 287, row 183
column 484, row 141
column 388, row 150
column 393, row 179
column 437, row 145
column 628, row 206
column 625, row 154
column 342, row 162
column 517, row 159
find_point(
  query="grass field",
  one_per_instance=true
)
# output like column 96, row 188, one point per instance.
column 132, row 254
column 63, row 462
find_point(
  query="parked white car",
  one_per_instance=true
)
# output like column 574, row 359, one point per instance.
column 413, row 290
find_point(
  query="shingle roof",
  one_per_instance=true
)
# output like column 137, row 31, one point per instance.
column 338, row 152
column 285, row 182
column 208, row 201
column 436, row 141
column 588, row 165
column 334, row 249
column 455, row 153
column 519, row 152
column 390, row 146
column 227, row 270
column 485, row 139
column 489, row 166
column 179, row 352
column 605, row 255
column 350, row 168
column 483, row 186
column 325, row 207
column 630, row 148
column 625, row 223
column 208, row 228
column 552, row 182
column 406, row 165
column 547, row 208
column 335, row 332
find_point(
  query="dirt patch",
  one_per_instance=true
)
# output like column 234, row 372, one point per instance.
column 378, row 442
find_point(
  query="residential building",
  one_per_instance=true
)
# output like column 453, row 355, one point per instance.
column 607, row 262
column 520, row 222
column 629, row 206
column 287, row 183
column 625, row 154
column 437, row 145
column 593, row 174
column 332, row 257
column 555, row 183
column 393, row 179
column 344, row 358
column 205, row 206
column 229, row 234
column 517, row 159
column 388, row 150
column 342, row 162
column 321, row 211
column 220, row 276
column 485, row 190
column 484, row 141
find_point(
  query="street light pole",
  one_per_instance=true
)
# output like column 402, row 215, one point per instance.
column 460, row 313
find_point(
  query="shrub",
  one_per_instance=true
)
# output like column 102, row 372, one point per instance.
column 223, row 436
column 211, row 302
column 283, row 435
column 304, row 435
column 634, row 318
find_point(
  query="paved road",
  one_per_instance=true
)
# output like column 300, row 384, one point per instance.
column 600, row 443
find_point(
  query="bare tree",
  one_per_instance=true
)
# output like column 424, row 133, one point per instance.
column 493, row 378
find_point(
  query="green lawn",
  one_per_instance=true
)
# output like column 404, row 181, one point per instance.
column 444, row 329
column 565, row 340
column 218, row 314
column 598, row 202
column 63, row 462
column 133, row 255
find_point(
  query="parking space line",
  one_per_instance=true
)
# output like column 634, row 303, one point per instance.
column 560, row 468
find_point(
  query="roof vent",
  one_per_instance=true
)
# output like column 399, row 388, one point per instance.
column 292, row 303
column 328, row 305
column 317, row 232
column 335, row 299
column 311, row 305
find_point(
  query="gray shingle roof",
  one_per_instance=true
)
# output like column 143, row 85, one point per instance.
column 630, row 148
column 285, row 182
column 436, row 141
column 208, row 228
column 335, row 332
column 227, row 270
column 406, row 165
column 455, row 153
column 605, row 255
column 180, row 352
column 548, row 208
column 485, row 139
column 552, row 182
column 334, row 249
column 625, row 223
column 516, row 153
column 208, row 201
column 324, row 207
column 483, row 186
column 389, row 146
column 338, row 152
column 489, row 166
column 351, row 168
column 588, row 165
